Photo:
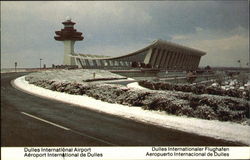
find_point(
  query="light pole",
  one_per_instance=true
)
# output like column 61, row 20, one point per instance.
column 239, row 63
column 15, row 66
column 41, row 63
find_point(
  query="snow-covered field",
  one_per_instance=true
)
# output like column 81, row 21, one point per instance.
column 78, row 75
column 212, row 128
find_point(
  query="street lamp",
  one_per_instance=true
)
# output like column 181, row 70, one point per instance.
column 41, row 63
column 239, row 63
column 15, row 66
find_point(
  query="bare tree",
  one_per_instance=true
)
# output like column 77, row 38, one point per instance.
column 243, row 78
column 219, row 78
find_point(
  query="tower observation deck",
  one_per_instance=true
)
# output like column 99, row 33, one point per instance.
column 68, row 35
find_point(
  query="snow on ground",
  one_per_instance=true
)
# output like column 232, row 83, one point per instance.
column 77, row 75
column 211, row 128
column 135, row 85
column 115, row 81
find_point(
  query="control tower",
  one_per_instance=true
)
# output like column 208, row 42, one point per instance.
column 68, row 35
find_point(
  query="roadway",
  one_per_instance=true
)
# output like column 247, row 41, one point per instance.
column 28, row 120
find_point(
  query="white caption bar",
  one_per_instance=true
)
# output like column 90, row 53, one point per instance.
column 123, row 153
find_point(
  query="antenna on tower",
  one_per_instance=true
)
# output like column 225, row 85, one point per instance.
column 68, row 18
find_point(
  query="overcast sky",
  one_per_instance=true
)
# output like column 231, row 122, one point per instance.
column 219, row 28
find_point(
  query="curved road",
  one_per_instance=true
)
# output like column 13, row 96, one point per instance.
column 28, row 120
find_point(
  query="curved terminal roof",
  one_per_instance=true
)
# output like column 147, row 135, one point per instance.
column 165, row 44
column 162, row 44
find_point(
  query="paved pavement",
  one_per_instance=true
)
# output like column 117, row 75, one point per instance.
column 27, row 120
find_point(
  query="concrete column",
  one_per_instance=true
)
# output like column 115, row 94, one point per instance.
column 182, row 60
column 68, row 50
column 163, row 59
column 153, row 57
column 171, row 62
column 156, row 56
column 164, row 63
column 179, row 61
column 111, row 62
column 87, row 62
column 156, row 64
column 195, row 62
column 177, row 58
column 159, row 58
column 148, row 56
column 190, row 62
column 94, row 63
column 198, row 61
column 175, row 62
column 108, row 63
column 123, row 63
column 170, row 58
column 102, row 63
column 170, row 54
column 117, row 63
column 185, row 61
column 167, row 59
column 163, row 56
column 120, row 63
column 83, row 62
column 79, row 63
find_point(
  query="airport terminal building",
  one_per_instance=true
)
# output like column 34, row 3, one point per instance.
column 158, row 55
column 162, row 55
